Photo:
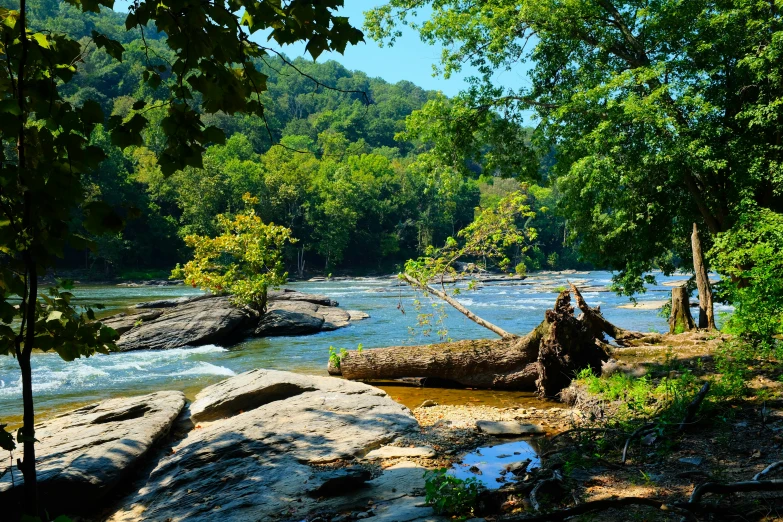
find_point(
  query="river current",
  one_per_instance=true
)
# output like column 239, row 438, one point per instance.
column 515, row 305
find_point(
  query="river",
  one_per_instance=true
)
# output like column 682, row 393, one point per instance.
column 516, row 306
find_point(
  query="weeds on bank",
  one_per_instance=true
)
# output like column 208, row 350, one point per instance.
column 661, row 398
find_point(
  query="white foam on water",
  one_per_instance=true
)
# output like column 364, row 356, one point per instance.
column 51, row 375
column 205, row 368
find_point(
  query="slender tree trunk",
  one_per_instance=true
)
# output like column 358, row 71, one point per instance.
column 706, row 311
column 456, row 304
column 680, row 319
column 27, row 464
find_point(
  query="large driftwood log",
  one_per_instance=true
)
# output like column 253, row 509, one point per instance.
column 706, row 310
column 546, row 359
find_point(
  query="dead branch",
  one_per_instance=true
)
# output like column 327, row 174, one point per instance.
column 693, row 407
column 555, row 479
column 602, row 505
column 734, row 487
column 767, row 470
column 600, row 325
column 637, row 432
column 456, row 304
column 573, row 431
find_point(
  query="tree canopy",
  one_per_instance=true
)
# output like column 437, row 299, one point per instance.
column 660, row 114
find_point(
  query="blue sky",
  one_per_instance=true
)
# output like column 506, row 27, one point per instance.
column 410, row 58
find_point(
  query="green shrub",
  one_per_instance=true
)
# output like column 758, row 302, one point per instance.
column 449, row 495
column 750, row 258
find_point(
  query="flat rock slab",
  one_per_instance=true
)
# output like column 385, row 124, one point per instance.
column 645, row 305
column 84, row 454
column 405, row 509
column 250, row 390
column 265, row 460
column 124, row 322
column 393, row 452
column 508, row 428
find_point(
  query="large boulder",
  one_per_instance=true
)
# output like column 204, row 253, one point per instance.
column 297, row 317
column 196, row 322
column 290, row 318
column 287, row 294
column 84, row 454
column 205, row 319
column 124, row 322
column 267, row 445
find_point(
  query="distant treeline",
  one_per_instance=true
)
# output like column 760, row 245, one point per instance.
column 354, row 196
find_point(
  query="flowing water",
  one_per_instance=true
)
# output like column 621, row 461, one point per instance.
column 517, row 306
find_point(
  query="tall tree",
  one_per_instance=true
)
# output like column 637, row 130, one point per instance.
column 661, row 113
column 45, row 151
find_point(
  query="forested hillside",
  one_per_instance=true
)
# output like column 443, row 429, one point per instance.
column 355, row 197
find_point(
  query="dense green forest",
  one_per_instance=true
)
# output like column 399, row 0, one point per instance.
column 323, row 160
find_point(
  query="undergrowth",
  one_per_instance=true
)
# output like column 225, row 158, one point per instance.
column 450, row 495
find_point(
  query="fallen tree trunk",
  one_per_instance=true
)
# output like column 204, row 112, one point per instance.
column 546, row 359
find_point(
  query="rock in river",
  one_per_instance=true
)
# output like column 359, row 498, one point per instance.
column 84, row 454
column 268, row 445
column 203, row 321
column 206, row 319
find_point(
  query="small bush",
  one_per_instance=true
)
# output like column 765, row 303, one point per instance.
column 449, row 495
column 750, row 257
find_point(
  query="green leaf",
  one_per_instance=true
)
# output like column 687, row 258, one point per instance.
column 112, row 47
column 54, row 315
column 215, row 135
column 91, row 112
column 6, row 439
column 10, row 106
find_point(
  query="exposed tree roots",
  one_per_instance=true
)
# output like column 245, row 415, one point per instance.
column 602, row 505
column 734, row 487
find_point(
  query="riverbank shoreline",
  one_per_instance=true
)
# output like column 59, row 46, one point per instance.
column 160, row 278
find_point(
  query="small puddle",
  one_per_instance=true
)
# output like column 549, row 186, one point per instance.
column 489, row 464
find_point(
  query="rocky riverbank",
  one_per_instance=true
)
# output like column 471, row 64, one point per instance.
column 209, row 319
column 264, row 445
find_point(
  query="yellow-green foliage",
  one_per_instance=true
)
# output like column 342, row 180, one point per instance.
column 244, row 261
column 491, row 236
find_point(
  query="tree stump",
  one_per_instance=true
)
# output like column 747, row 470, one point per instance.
column 706, row 313
column 680, row 319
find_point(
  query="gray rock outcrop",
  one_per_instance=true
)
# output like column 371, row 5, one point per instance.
column 85, row 454
column 205, row 319
column 197, row 322
column 271, row 445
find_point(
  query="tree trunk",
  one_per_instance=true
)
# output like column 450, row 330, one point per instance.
column 680, row 319
column 706, row 313
column 456, row 304
column 545, row 360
